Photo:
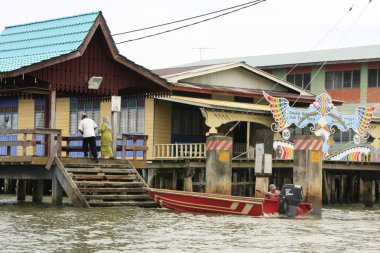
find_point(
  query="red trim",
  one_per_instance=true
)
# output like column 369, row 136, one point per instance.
column 343, row 67
column 300, row 70
column 374, row 65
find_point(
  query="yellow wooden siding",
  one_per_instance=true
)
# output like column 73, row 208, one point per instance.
column 162, row 122
column 25, row 121
column 105, row 110
column 148, row 128
column 63, row 117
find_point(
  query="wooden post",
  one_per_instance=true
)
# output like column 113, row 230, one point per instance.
column 218, row 164
column 114, row 133
column 38, row 187
column 326, row 185
column 21, row 189
column 361, row 189
column 248, row 139
column 308, row 169
column 57, row 192
column 52, row 117
column 174, row 186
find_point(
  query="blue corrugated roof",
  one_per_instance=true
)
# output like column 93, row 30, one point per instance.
column 27, row 44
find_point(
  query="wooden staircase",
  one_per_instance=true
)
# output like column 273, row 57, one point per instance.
column 110, row 184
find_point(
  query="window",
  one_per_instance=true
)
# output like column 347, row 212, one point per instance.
column 342, row 79
column 301, row 80
column 39, row 112
column 343, row 136
column 132, row 116
column 374, row 78
column 8, row 120
column 186, row 122
column 8, row 113
column 39, row 122
column 79, row 106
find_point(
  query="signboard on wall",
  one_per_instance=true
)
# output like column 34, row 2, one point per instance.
column 116, row 103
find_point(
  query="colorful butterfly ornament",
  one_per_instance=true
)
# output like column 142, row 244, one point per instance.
column 322, row 115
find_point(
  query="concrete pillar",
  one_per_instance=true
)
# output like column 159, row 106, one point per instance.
column 218, row 164
column 21, row 189
column 263, row 159
column 38, row 190
column 188, row 180
column 57, row 192
column 308, row 169
column 152, row 173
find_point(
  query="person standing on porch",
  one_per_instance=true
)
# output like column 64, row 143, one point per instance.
column 106, row 139
column 87, row 128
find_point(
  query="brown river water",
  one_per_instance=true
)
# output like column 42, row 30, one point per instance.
column 28, row 227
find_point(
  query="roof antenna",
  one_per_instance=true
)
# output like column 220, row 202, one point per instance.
column 202, row 51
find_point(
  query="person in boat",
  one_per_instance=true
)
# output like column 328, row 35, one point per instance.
column 273, row 189
column 273, row 193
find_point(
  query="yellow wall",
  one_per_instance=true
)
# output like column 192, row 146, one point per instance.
column 25, row 121
column 63, row 115
column 148, row 128
column 162, row 122
column 105, row 110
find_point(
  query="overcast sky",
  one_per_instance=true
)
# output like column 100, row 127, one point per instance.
column 275, row 26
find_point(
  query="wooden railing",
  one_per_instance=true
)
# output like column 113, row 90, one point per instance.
column 52, row 140
column 135, row 147
column 175, row 151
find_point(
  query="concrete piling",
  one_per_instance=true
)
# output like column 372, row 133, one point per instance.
column 218, row 164
column 308, row 169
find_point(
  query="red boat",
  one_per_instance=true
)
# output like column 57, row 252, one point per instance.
column 224, row 204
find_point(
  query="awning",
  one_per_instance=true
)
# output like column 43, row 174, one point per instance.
column 219, row 104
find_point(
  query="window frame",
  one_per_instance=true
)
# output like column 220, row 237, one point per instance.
column 291, row 78
column 337, row 80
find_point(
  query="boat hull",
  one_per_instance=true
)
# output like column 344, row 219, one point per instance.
column 215, row 203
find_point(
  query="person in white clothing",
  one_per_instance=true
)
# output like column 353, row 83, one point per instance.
column 87, row 128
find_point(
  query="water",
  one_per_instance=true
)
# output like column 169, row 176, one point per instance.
column 44, row 228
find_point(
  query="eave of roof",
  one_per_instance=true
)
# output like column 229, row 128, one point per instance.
column 220, row 105
column 208, row 89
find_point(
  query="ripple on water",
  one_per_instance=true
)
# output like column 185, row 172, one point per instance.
column 26, row 228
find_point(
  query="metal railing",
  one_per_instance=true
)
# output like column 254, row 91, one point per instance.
column 183, row 150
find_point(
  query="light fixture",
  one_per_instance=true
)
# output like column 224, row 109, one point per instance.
column 94, row 82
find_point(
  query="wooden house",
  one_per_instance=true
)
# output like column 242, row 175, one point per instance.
column 46, row 69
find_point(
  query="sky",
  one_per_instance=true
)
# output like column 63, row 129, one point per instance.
column 274, row 26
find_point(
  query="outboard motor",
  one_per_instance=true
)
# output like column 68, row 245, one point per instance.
column 291, row 196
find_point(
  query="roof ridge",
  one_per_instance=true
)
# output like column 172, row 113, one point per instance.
column 55, row 19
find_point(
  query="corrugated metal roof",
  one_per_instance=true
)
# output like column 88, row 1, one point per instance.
column 349, row 54
column 219, row 104
column 26, row 44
